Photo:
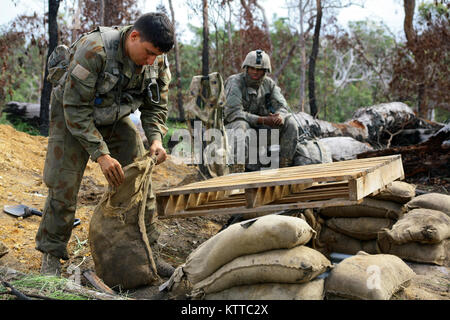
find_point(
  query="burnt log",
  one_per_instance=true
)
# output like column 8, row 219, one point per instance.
column 382, row 125
column 427, row 159
column 24, row 111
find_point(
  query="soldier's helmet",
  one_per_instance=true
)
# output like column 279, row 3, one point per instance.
column 257, row 59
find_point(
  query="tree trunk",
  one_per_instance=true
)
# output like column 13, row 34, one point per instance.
column 411, row 42
column 177, row 68
column 230, row 40
column 266, row 26
column 410, row 34
column 102, row 12
column 285, row 62
column 53, row 6
column 302, row 46
column 312, row 61
column 76, row 23
column 205, row 51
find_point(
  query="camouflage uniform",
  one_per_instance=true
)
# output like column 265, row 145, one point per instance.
column 246, row 103
column 79, row 129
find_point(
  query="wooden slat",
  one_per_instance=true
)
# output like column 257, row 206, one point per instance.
column 375, row 180
column 262, row 210
column 287, row 188
column 336, row 171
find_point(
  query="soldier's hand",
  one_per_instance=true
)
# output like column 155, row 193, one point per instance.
column 158, row 150
column 272, row 120
column 112, row 170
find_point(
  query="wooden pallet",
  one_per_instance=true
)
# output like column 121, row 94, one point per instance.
column 312, row 186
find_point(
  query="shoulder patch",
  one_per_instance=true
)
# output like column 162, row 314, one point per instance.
column 80, row 72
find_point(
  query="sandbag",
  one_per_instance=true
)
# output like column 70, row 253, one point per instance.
column 363, row 228
column 345, row 148
column 418, row 225
column 438, row 253
column 368, row 277
column 266, row 233
column 312, row 290
column 434, row 201
column 337, row 242
column 367, row 208
column 297, row 265
column 117, row 234
column 398, row 191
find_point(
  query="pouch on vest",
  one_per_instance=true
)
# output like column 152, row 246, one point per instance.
column 57, row 64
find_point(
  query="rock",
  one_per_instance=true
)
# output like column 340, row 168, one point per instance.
column 3, row 249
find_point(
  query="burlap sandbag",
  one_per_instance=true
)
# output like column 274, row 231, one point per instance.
column 438, row 253
column 368, row 277
column 398, row 191
column 312, row 290
column 418, row 225
column 434, row 201
column 297, row 265
column 367, row 208
column 117, row 233
column 363, row 228
column 266, row 233
column 334, row 241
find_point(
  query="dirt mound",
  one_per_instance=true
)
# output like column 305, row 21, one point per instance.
column 22, row 158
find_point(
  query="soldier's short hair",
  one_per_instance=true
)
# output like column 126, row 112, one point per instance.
column 155, row 27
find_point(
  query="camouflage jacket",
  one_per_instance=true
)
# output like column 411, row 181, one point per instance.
column 246, row 103
column 88, row 89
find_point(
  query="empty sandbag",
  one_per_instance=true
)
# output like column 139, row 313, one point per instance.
column 297, row 265
column 367, row 208
column 312, row 290
column 337, row 242
column 419, row 225
column 438, row 253
column 362, row 228
column 398, row 191
column 117, row 234
column 434, row 201
column 266, row 233
column 368, row 277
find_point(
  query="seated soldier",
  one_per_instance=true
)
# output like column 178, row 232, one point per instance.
column 254, row 101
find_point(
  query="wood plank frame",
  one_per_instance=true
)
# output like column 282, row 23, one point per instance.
column 322, row 185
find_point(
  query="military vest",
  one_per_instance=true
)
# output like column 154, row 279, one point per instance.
column 256, row 101
column 111, row 101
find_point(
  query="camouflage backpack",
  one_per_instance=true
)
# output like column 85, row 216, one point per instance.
column 207, row 100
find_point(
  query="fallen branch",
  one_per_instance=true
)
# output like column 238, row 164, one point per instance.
column 97, row 282
column 11, row 290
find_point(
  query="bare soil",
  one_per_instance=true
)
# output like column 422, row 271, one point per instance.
column 21, row 165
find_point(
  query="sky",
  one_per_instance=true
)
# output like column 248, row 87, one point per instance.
column 388, row 11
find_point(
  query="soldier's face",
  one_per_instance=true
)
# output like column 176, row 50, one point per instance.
column 141, row 52
column 255, row 74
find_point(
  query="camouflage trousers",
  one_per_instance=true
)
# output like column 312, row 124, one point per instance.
column 239, row 134
column 65, row 163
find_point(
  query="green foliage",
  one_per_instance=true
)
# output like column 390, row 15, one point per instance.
column 49, row 286
column 19, row 125
column 172, row 127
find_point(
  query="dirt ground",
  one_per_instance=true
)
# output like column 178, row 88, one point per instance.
column 21, row 164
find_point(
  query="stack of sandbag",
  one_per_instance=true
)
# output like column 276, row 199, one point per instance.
column 423, row 233
column 263, row 258
column 368, row 277
column 349, row 229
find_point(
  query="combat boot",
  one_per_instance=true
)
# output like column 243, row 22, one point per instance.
column 163, row 268
column 50, row 265
column 284, row 162
column 237, row 168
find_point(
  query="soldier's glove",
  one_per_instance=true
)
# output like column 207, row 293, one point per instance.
column 272, row 120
